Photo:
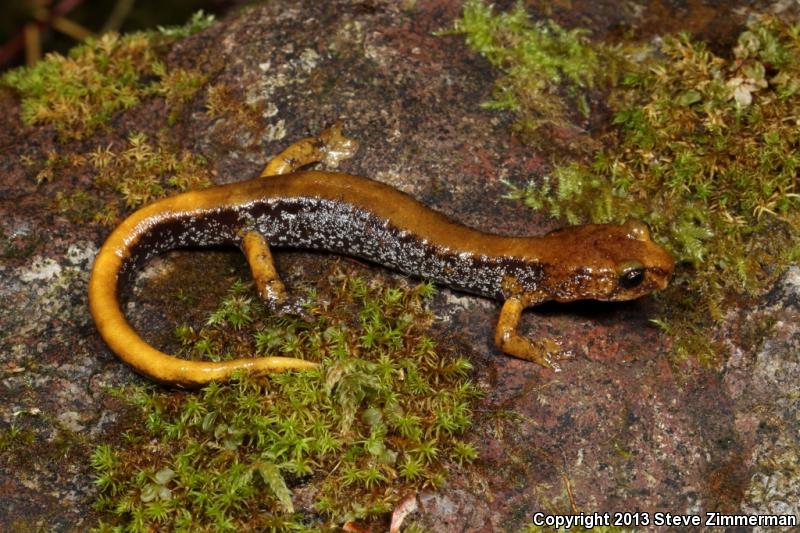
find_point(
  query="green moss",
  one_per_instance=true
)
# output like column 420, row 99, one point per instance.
column 80, row 92
column 197, row 23
column 78, row 206
column 15, row 439
column 413, row 527
column 546, row 69
column 705, row 155
column 178, row 87
column 53, row 163
column 381, row 417
column 138, row 173
column 141, row 172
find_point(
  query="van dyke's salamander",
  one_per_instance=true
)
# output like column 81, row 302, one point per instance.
column 359, row 217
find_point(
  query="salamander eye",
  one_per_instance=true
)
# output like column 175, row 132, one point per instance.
column 632, row 275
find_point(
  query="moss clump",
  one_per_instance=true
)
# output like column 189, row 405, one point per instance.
column 141, row 172
column 178, row 87
column 546, row 69
column 380, row 418
column 707, row 157
column 80, row 92
column 82, row 207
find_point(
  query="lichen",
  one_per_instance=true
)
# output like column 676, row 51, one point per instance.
column 382, row 417
column 16, row 246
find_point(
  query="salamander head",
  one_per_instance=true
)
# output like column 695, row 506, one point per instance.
column 604, row 262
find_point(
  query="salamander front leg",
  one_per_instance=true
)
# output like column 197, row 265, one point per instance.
column 545, row 351
column 329, row 147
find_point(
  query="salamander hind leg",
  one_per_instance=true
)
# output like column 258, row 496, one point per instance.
column 546, row 352
column 272, row 290
column 329, row 147
column 268, row 283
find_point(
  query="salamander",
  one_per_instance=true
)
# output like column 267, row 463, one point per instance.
column 356, row 216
